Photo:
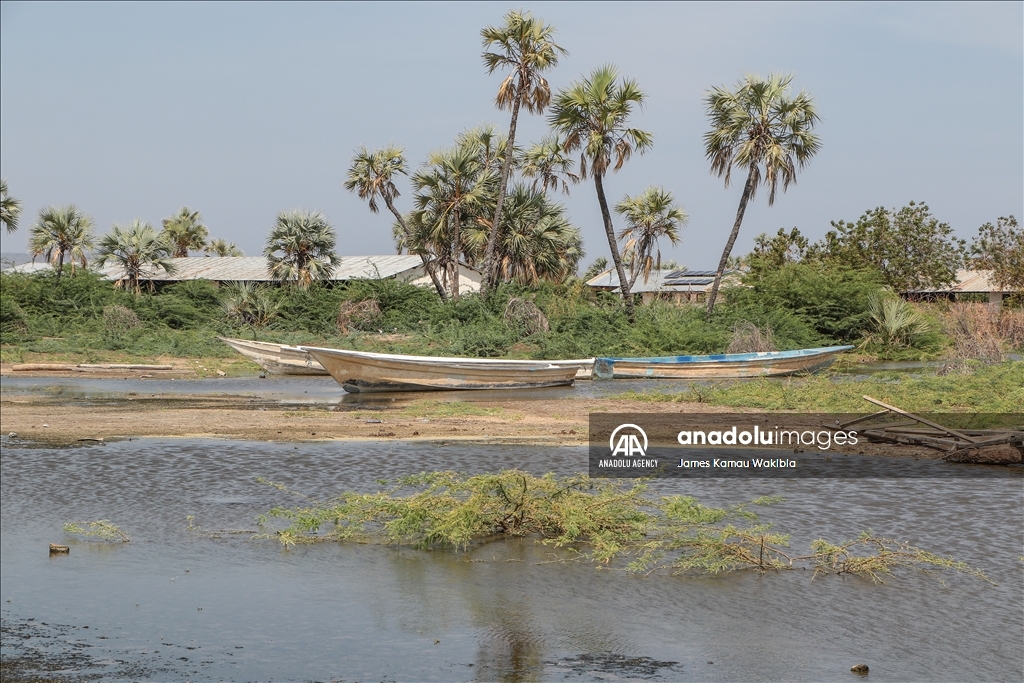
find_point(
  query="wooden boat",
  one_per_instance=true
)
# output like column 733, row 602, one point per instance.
column 719, row 366
column 362, row 371
column 276, row 358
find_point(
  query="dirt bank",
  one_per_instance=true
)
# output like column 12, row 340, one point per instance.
column 58, row 420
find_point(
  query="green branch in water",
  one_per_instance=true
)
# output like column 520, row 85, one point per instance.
column 609, row 522
column 100, row 528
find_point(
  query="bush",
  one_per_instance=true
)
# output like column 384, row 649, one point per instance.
column 832, row 300
column 118, row 321
column 12, row 319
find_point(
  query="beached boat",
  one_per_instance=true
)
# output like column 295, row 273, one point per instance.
column 363, row 371
column 276, row 358
column 719, row 366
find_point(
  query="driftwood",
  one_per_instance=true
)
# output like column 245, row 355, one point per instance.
column 85, row 367
column 958, row 445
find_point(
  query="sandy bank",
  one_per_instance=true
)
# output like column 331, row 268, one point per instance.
column 57, row 420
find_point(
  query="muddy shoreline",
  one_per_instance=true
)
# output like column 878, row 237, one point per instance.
column 64, row 421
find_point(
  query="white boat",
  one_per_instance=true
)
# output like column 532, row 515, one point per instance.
column 279, row 359
column 363, row 371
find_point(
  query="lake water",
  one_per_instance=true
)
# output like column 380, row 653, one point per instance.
column 174, row 605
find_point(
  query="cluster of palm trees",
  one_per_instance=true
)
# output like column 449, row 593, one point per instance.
column 67, row 234
column 485, row 201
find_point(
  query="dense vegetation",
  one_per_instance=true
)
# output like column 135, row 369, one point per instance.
column 794, row 306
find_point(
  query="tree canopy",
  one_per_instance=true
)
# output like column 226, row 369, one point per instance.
column 911, row 248
column 592, row 116
column 61, row 233
column 10, row 208
column 1000, row 248
column 300, row 248
column 138, row 249
column 759, row 127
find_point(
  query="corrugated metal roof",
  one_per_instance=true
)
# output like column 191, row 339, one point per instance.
column 968, row 282
column 254, row 268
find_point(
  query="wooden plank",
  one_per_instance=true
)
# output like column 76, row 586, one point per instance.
column 123, row 366
column 920, row 419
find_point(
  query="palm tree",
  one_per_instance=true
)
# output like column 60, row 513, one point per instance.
column 455, row 182
column 10, row 208
column 592, row 116
column 761, row 128
column 372, row 175
column 139, row 250
column 300, row 248
column 61, row 232
column 221, row 247
column 536, row 240
column 549, row 166
column 185, row 230
column 525, row 47
column 649, row 216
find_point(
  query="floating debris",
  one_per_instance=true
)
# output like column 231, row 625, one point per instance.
column 989, row 446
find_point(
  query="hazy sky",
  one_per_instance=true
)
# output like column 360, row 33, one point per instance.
column 244, row 110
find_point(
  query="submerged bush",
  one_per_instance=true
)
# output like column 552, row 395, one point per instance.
column 610, row 522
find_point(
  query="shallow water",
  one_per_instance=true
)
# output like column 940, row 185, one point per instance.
column 307, row 389
column 174, row 605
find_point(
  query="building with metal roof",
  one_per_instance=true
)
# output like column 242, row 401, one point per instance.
column 967, row 282
column 678, row 286
column 229, row 269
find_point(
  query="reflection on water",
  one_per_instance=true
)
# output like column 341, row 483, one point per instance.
column 176, row 605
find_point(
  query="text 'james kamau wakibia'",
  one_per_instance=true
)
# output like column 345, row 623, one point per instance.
column 710, row 463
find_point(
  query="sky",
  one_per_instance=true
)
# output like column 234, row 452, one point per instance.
column 245, row 110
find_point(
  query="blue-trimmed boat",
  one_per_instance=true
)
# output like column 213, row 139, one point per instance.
column 719, row 366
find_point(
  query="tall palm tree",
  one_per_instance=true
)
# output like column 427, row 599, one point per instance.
column 592, row 115
column 536, row 240
column 61, row 232
column 549, row 165
column 139, row 250
column 649, row 216
column 455, row 183
column 300, row 248
column 10, row 208
column 524, row 45
column 184, row 231
column 761, row 128
column 221, row 247
column 372, row 175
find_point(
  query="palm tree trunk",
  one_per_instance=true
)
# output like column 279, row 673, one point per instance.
column 748, row 190
column 427, row 265
column 613, row 245
column 506, row 169
column 456, row 249
column 60, row 264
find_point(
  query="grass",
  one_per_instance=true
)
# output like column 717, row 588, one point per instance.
column 989, row 389
column 451, row 409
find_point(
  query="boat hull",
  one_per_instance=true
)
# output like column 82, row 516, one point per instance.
column 721, row 366
column 278, row 359
column 361, row 372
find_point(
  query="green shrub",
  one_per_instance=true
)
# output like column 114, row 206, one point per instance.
column 13, row 320
column 832, row 300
